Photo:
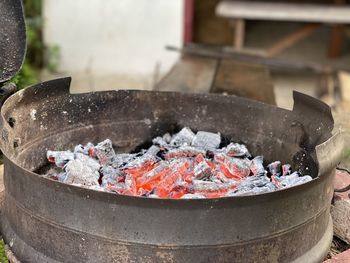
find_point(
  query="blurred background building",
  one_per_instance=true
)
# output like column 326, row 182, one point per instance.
column 121, row 45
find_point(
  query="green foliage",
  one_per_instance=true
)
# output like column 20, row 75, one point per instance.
column 26, row 76
column 32, row 7
column 3, row 258
column 346, row 153
column 53, row 58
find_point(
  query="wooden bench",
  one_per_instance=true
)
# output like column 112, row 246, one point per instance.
column 336, row 14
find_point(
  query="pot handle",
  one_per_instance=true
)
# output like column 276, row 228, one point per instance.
column 329, row 153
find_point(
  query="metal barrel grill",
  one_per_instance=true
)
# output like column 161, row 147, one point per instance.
column 47, row 221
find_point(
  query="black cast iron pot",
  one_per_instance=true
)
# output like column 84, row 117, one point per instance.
column 47, row 221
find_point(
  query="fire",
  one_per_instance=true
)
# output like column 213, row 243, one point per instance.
column 185, row 165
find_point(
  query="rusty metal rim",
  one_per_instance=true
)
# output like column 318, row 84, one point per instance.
column 22, row 244
column 313, row 255
column 324, row 244
column 59, row 226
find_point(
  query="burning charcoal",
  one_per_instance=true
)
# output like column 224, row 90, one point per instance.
column 252, row 191
column 163, row 142
column 257, row 166
column 236, row 168
column 122, row 159
column 219, row 177
column 55, row 173
column 84, row 149
column 206, row 186
column 236, row 150
column 60, row 158
column 153, row 151
column 256, row 181
column 119, row 188
column 293, row 179
column 184, row 166
column 150, row 179
column 202, row 170
column 286, row 169
column 104, row 152
column 183, row 151
column 206, row 140
column 109, row 175
column 271, row 187
column 183, row 138
column 167, row 137
column 153, row 196
column 253, row 185
column 140, row 161
column 275, row 168
column 78, row 172
column 88, row 161
column 159, row 141
column 130, row 185
column 80, row 149
column 170, row 185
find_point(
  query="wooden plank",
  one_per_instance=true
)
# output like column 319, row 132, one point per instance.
column 336, row 41
column 246, row 51
column 190, row 74
column 244, row 80
column 291, row 39
column 239, row 29
column 321, row 13
column 243, row 57
column 208, row 28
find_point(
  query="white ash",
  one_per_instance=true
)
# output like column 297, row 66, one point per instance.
column 184, row 151
column 109, row 175
column 202, row 170
column 61, row 158
column 293, row 179
column 206, row 140
column 257, row 166
column 104, row 152
column 236, row 150
column 183, row 138
column 193, row 196
column 78, row 172
column 274, row 168
column 122, row 159
column 200, row 186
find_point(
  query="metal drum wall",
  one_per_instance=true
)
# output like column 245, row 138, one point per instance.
column 47, row 221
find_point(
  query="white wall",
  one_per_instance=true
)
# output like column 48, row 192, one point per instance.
column 118, row 40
